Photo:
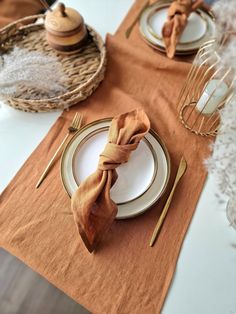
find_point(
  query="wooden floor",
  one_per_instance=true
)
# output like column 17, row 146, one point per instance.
column 22, row 291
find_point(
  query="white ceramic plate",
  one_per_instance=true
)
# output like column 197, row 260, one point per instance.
column 195, row 29
column 201, row 27
column 140, row 182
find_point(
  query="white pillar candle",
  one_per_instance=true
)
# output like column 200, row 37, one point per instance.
column 212, row 96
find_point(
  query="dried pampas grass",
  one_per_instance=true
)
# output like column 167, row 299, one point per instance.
column 222, row 163
column 26, row 70
column 225, row 13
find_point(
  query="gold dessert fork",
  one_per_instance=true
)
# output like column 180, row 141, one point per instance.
column 75, row 126
column 181, row 171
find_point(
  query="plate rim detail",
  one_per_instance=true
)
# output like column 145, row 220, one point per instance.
column 155, row 136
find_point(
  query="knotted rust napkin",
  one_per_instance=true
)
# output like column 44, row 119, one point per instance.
column 93, row 209
column 173, row 28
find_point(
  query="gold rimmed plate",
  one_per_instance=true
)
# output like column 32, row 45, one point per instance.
column 194, row 31
column 162, row 50
column 200, row 28
column 140, row 182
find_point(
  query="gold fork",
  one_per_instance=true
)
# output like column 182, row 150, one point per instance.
column 130, row 28
column 181, row 171
column 75, row 126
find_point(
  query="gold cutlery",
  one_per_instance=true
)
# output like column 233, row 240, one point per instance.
column 75, row 126
column 46, row 5
column 181, row 170
column 130, row 28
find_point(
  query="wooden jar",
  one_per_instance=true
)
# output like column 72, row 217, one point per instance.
column 65, row 29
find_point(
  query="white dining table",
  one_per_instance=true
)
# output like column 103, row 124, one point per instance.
column 205, row 277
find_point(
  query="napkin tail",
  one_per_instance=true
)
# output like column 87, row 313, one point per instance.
column 93, row 209
column 92, row 206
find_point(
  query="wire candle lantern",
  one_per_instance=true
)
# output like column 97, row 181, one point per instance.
column 208, row 87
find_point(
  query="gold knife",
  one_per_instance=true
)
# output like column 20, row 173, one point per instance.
column 181, row 171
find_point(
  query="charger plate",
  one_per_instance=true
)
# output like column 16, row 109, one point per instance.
column 200, row 28
column 141, row 181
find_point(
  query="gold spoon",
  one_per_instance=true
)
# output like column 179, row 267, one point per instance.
column 181, row 170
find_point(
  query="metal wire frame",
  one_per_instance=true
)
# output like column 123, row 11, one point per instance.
column 206, row 66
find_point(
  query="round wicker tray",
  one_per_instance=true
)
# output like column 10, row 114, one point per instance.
column 84, row 70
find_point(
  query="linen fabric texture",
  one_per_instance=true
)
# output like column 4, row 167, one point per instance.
column 124, row 275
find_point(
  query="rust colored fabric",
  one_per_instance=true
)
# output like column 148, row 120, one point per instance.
column 93, row 209
column 124, row 275
column 11, row 10
column 173, row 28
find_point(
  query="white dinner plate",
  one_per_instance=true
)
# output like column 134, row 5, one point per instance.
column 141, row 181
column 195, row 29
column 201, row 27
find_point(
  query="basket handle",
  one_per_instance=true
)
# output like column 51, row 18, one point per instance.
column 16, row 23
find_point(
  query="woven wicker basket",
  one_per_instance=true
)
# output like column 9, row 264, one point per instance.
column 84, row 70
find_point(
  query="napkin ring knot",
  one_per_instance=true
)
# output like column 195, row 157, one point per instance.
column 114, row 155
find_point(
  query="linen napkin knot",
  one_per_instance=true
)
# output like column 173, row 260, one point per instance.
column 114, row 155
column 92, row 207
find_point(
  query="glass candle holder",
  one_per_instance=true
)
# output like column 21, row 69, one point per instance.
column 208, row 86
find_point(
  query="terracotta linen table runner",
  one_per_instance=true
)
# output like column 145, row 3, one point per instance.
column 124, row 275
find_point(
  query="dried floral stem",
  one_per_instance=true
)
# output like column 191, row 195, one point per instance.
column 25, row 70
column 222, row 163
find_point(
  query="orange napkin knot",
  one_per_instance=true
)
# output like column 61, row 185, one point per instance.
column 92, row 207
column 177, row 20
column 114, row 155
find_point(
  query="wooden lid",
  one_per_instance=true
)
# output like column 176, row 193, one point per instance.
column 63, row 20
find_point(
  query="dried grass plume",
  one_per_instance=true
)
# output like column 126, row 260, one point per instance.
column 222, row 163
column 25, row 70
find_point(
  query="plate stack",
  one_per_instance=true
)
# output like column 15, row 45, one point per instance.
column 141, row 181
column 200, row 28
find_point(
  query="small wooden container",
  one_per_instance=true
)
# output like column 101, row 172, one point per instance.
column 65, row 29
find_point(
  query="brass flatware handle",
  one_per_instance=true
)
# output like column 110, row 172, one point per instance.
column 130, row 28
column 46, row 5
column 75, row 126
column 49, row 166
column 181, row 170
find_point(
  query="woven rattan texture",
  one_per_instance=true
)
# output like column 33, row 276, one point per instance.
column 84, row 70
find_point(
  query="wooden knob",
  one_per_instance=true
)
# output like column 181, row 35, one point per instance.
column 62, row 9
